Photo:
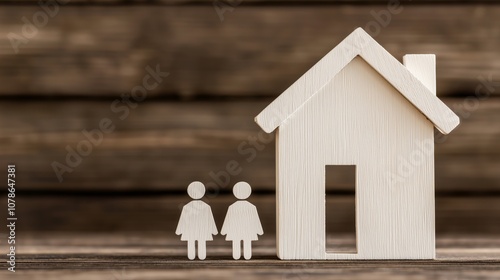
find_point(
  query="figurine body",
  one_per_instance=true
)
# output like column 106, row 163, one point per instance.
column 242, row 223
column 196, row 223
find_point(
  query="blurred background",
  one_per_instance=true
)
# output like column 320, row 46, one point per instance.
column 103, row 150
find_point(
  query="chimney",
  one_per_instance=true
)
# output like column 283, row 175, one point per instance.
column 422, row 66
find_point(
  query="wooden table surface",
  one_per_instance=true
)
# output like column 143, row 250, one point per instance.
column 137, row 256
column 77, row 236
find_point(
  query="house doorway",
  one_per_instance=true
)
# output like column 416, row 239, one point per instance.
column 340, row 186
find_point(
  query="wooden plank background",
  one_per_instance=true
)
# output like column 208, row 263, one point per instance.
column 164, row 145
column 65, row 78
column 257, row 50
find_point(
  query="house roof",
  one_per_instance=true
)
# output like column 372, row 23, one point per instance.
column 362, row 44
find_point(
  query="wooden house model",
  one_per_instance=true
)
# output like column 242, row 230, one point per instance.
column 359, row 106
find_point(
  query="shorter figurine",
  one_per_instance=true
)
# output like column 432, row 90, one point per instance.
column 242, row 223
column 196, row 222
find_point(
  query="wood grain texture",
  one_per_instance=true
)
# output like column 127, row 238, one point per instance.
column 242, row 225
column 246, row 2
column 167, row 145
column 196, row 223
column 423, row 67
column 357, row 118
column 157, row 268
column 154, row 256
column 358, row 43
column 158, row 214
column 122, row 238
column 115, row 237
column 101, row 47
column 98, row 50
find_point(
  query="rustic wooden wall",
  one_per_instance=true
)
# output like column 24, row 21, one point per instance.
column 66, row 75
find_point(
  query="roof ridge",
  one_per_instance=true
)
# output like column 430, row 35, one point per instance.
column 357, row 43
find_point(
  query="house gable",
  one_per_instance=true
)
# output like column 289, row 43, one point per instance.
column 359, row 119
column 362, row 44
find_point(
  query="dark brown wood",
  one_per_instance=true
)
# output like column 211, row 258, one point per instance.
column 132, row 238
column 147, row 256
column 256, row 50
column 114, row 215
column 245, row 2
column 160, row 267
column 115, row 237
column 166, row 145
column 159, row 213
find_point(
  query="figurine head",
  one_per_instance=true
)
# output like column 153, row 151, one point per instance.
column 242, row 190
column 196, row 190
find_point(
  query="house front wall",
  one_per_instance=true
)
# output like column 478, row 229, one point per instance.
column 359, row 119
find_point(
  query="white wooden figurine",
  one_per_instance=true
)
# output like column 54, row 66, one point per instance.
column 196, row 223
column 359, row 106
column 242, row 223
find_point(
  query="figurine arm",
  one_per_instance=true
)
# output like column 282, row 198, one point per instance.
column 260, row 231
column 214, row 226
column 223, row 230
column 181, row 224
